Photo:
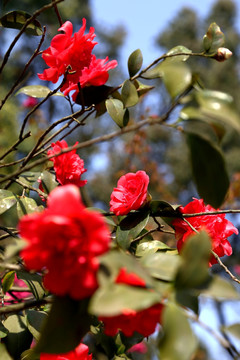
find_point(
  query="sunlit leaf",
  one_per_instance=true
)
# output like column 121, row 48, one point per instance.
column 36, row 91
column 117, row 112
column 7, row 200
column 150, row 247
column 177, row 77
column 48, row 181
column 233, row 330
column 178, row 342
column 3, row 333
column 34, row 282
column 4, row 354
column 209, row 170
column 135, row 61
column 7, row 281
column 16, row 20
column 142, row 89
column 129, row 94
column 161, row 265
column 177, row 50
column 213, row 39
column 26, row 205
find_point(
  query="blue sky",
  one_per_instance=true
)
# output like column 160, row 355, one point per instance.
column 143, row 20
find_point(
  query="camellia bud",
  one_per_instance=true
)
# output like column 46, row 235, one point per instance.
column 222, row 54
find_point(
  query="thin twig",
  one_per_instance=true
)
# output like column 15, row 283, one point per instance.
column 29, row 187
column 25, row 305
column 225, row 267
column 58, row 15
column 212, row 213
column 14, row 146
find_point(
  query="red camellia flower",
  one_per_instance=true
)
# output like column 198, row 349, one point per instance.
column 69, row 166
column 79, row 353
column 130, row 193
column 130, row 321
column 217, row 226
column 65, row 240
column 74, row 53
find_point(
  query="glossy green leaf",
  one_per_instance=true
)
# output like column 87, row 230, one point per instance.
column 129, row 94
column 34, row 282
column 213, row 39
column 177, row 77
column 7, row 200
column 130, row 227
column 4, row 354
column 26, row 206
column 209, row 170
column 233, row 330
column 117, row 112
column 66, row 325
column 135, row 61
column 16, row 20
column 150, row 247
column 111, row 300
column 19, row 338
column 48, row 181
column 36, row 91
column 7, row 281
column 221, row 289
column 3, row 332
column 164, row 210
column 195, row 255
column 35, row 320
column 178, row 342
column 178, row 50
column 161, row 265
column 142, row 89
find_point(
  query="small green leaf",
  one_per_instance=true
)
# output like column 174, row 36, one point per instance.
column 213, row 39
column 66, row 325
column 26, row 206
column 117, row 112
column 36, row 91
column 7, row 200
column 7, row 281
column 129, row 94
column 16, row 20
column 176, row 334
column 4, row 354
column 233, row 330
column 209, row 170
column 113, row 299
column 34, row 282
column 135, row 61
column 177, row 50
column 150, row 247
column 142, row 89
column 130, row 227
column 48, row 181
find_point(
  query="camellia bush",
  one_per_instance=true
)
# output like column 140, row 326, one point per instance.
column 86, row 283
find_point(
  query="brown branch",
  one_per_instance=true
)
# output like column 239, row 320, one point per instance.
column 58, row 14
column 212, row 213
column 25, row 305
column 29, row 187
column 225, row 267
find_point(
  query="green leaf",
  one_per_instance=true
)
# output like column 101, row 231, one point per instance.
column 213, row 39
column 135, row 61
column 221, row 289
column 3, row 333
column 93, row 95
column 177, row 77
column 4, row 354
column 7, row 281
column 19, row 338
column 66, row 325
column 117, row 112
column 129, row 94
column 178, row 342
column 193, row 270
column 34, row 282
column 188, row 299
column 36, row 91
column 150, row 247
column 112, row 299
column 161, row 265
column 16, row 20
column 34, row 321
column 233, row 330
column 7, row 200
column 165, row 210
column 130, row 227
column 26, row 206
column 48, row 181
column 209, row 171
column 142, row 89
column 177, row 50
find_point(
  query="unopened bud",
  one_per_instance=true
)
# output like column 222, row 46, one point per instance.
column 222, row 54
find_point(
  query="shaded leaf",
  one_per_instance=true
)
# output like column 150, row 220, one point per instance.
column 130, row 227
column 17, row 18
column 7, row 200
column 221, row 289
column 142, row 89
column 209, row 170
column 36, row 91
column 7, row 281
column 213, row 39
column 3, row 333
column 26, row 206
column 34, row 321
column 93, row 95
column 117, row 112
column 48, row 181
column 19, row 338
column 34, row 282
column 135, row 61
column 67, row 323
column 129, row 94
column 178, row 342
column 188, row 299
